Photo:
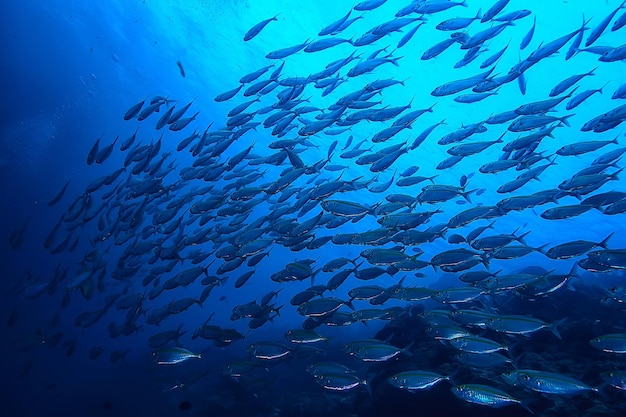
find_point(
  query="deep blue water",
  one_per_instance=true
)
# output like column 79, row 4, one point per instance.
column 72, row 69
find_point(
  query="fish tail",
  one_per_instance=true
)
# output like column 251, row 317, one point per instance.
column 277, row 310
column 606, row 240
column 525, row 406
column 541, row 249
column 407, row 349
column 466, row 195
column 564, row 119
column 553, row 327
column 614, row 176
column 484, row 259
column 521, row 237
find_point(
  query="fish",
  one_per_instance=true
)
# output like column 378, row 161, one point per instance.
column 546, row 382
column 476, row 344
column 134, row 110
column 91, row 157
column 285, row 52
column 368, row 5
column 575, row 248
column 569, row 82
column 413, row 381
column 316, row 178
column 173, row 355
column 611, row 343
column 256, row 29
column 496, row 8
column 268, row 350
column 523, row 325
column 59, row 195
column 374, row 351
column 486, row 395
column 615, row 378
column 181, row 69
column 340, row 382
column 529, row 35
column 598, row 30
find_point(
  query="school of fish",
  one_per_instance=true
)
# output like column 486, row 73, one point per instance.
column 290, row 185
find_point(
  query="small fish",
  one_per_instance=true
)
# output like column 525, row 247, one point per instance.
column 611, row 343
column 180, row 67
column 59, row 195
column 485, row 395
column 91, row 157
column 413, row 381
column 256, row 29
column 173, row 355
column 546, row 382
column 133, row 111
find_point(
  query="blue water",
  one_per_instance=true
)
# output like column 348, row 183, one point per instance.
column 72, row 69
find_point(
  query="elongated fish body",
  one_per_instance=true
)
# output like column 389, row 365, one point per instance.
column 91, row 157
column 458, row 23
column 134, row 110
column 526, row 123
column 476, row 344
column 529, row 35
column 173, row 355
column 59, row 195
column 228, row 94
column 165, row 118
column 583, row 147
column 615, row 259
column 369, row 5
column 481, row 37
column 579, row 98
column 376, row 351
column 322, row 44
column 339, row 381
column 598, row 30
column 415, row 380
column 522, row 325
column 546, row 382
column 436, row 6
column 460, row 85
column 484, row 395
column 494, row 10
column 494, row 58
column 285, row 52
column 569, row 82
column 256, row 29
column 437, row 49
column 268, row 350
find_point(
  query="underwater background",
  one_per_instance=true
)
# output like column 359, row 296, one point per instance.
column 158, row 276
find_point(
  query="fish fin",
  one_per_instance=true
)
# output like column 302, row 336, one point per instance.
column 541, row 249
column 466, row 195
column 553, row 327
column 525, row 406
column 605, row 241
column 521, row 237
